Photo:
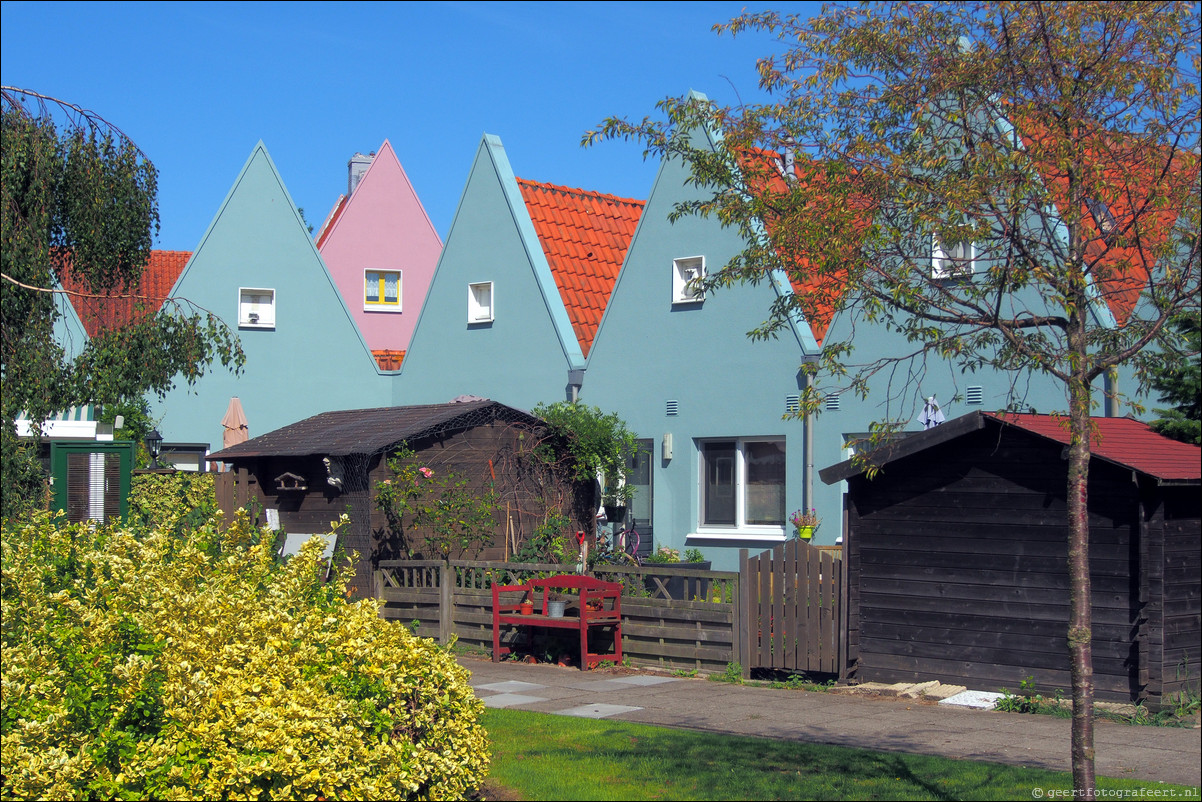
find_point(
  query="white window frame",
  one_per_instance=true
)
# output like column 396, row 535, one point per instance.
column 254, row 313
column 741, row 530
column 684, row 271
column 478, row 311
column 382, row 305
column 960, row 262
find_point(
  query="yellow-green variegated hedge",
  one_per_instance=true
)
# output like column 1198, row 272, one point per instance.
column 141, row 664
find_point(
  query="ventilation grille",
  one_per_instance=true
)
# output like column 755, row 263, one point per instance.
column 975, row 395
column 672, row 407
column 792, row 404
column 832, row 402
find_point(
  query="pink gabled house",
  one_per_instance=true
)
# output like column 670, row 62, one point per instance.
column 381, row 249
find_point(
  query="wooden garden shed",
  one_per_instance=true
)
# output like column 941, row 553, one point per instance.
column 313, row 471
column 956, row 555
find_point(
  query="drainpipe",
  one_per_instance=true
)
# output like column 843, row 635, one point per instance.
column 575, row 382
column 807, row 469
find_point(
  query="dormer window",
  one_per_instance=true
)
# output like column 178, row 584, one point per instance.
column 686, row 273
column 382, row 290
column 480, row 302
column 952, row 261
column 256, row 308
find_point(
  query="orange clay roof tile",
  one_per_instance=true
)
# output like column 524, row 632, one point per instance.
column 585, row 236
column 117, row 309
column 389, row 360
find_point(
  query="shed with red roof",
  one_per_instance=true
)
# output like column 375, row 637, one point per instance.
column 956, row 558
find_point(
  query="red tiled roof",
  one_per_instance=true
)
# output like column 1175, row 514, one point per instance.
column 118, row 309
column 1122, row 441
column 1128, row 172
column 331, row 219
column 819, row 290
column 585, row 236
column 389, row 360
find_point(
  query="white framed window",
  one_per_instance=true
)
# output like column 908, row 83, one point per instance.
column 382, row 290
column 685, row 273
column 742, row 487
column 256, row 308
column 480, row 302
column 952, row 261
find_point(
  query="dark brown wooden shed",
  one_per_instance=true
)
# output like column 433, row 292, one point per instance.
column 315, row 470
column 956, row 555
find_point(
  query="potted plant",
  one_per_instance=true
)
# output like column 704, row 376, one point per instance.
column 527, row 607
column 805, row 523
column 677, row 587
column 616, row 499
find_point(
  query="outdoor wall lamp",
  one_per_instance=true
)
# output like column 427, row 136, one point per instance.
column 154, row 443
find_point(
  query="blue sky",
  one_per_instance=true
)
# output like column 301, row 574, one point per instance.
column 197, row 85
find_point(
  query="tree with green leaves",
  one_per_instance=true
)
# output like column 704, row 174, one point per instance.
column 1180, row 386
column 79, row 200
column 1006, row 185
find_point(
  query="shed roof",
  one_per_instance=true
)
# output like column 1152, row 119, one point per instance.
column 370, row 431
column 585, row 236
column 1121, row 441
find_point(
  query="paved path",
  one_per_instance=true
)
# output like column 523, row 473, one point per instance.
column 1163, row 754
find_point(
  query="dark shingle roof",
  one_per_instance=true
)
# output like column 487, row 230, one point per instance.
column 369, row 431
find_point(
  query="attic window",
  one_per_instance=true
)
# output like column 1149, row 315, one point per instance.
column 951, row 261
column 290, row 481
column 256, row 308
column 1102, row 217
column 685, row 273
column 479, row 302
column 381, row 290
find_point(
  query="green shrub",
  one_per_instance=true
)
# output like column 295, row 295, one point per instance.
column 183, row 500
column 137, row 663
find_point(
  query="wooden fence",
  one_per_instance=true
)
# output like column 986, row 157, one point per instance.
column 695, row 630
column 792, row 595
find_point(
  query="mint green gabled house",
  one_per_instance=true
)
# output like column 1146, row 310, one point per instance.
column 728, row 466
column 257, row 269
column 724, row 467
column 518, row 291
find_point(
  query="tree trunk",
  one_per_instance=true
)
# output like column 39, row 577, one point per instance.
column 1080, row 630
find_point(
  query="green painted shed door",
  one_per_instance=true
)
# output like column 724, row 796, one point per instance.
column 91, row 480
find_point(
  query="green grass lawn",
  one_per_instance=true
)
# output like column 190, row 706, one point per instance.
column 537, row 756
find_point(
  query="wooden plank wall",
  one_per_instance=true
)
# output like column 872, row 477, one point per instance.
column 666, row 633
column 957, row 570
column 1180, row 664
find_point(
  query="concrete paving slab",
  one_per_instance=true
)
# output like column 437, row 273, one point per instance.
column 510, row 700
column 981, row 700
column 596, row 710
column 509, row 686
column 644, row 680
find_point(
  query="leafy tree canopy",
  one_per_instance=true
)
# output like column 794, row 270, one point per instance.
column 1012, row 185
column 79, row 200
column 1180, row 385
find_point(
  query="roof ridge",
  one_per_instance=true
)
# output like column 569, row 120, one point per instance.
column 579, row 191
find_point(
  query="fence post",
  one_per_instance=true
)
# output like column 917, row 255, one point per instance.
column 741, row 613
column 446, row 588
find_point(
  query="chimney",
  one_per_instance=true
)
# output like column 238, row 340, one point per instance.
column 356, row 167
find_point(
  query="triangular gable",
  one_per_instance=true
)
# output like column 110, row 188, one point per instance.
column 312, row 357
column 382, row 227
column 585, row 236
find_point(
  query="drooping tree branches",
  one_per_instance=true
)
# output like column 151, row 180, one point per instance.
column 79, row 201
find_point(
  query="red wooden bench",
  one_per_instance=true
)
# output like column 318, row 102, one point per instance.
column 598, row 604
